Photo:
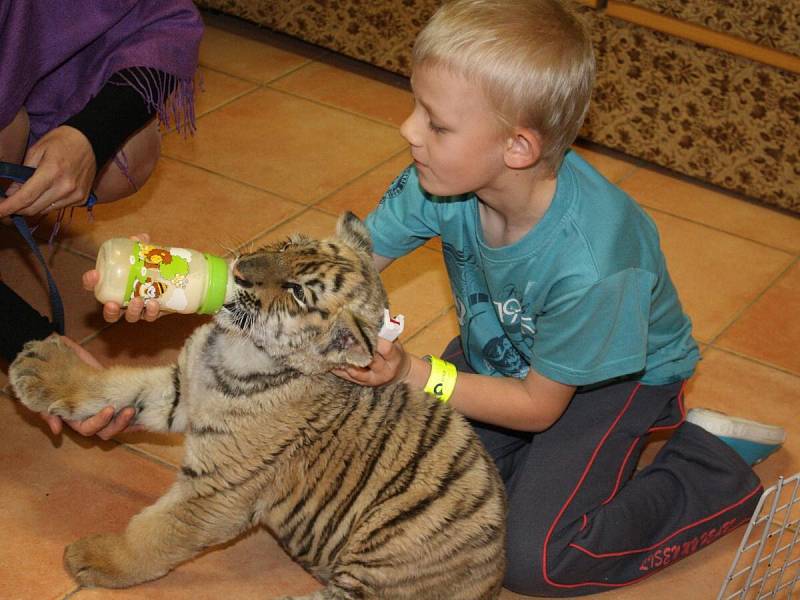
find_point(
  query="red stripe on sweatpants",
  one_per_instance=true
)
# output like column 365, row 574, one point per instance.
column 671, row 535
column 578, row 487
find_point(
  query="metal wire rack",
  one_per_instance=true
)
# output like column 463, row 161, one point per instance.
column 767, row 564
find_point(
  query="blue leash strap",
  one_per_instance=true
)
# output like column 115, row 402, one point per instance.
column 20, row 173
column 56, row 304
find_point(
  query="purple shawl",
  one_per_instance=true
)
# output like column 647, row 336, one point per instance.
column 55, row 55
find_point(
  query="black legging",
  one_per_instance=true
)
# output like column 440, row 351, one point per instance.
column 20, row 323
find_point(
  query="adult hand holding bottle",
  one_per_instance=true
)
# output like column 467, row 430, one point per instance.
column 138, row 274
column 137, row 308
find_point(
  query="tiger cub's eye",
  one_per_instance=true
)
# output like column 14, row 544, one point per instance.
column 296, row 289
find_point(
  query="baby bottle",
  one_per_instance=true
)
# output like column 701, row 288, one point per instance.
column 181, row 280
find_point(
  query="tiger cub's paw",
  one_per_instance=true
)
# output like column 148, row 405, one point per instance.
column 102, row 561
column 48, row 376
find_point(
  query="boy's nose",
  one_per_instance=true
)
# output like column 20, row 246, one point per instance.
column 409, row 132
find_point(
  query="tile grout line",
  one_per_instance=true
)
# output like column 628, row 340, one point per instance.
column 340, row 109
column 754, row 360
column 154, row 458
column 370, row 170
column 269, row 84
column 259, row 82
column 292, row 71
column 430, row 322
column 72, row 593
column 746, row 307
column 223, row 104
column 232, row 179
column 272, row 228
column 622, row 179
column 791, row 253
column 96, row 334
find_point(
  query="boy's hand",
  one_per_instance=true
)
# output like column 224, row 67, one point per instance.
column 104, row 424
column 389, row 365
column 137, row 308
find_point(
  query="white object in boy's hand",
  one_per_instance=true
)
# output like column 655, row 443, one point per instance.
column 392, row 326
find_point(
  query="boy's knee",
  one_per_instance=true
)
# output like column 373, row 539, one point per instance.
column 526, row 578
column 525, row 568
column 524, row 574
column 529, row 579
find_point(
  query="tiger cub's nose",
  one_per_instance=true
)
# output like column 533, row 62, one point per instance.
column 256, row 270
column 242, row 282
column 240, row 278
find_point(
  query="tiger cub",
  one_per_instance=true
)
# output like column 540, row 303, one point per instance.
column 380, row 493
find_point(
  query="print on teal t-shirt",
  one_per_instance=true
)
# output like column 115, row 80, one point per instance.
column 582, row 298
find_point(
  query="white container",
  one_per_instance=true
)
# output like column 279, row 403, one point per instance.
column 181, row 280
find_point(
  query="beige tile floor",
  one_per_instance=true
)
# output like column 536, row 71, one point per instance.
column 288, row 136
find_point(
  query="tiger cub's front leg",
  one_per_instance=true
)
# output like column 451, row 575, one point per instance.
column 48, row 376
column 178, row 526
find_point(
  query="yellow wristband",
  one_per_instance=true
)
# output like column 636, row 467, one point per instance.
column 442, row 380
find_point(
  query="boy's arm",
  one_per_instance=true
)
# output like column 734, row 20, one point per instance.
column 381, row 262
column 530, row 404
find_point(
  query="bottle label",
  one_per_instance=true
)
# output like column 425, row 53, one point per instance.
column 159, row 273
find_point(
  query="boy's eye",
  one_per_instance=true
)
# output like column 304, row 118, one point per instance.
column 296, row 290
column 436, row 128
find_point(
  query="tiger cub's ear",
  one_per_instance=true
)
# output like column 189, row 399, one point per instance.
column 349, row 339
column 354, row 233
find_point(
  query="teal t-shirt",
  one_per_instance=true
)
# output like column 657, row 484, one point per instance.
column 582, row 298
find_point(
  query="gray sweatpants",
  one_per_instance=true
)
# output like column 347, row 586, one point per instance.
column 580, row 521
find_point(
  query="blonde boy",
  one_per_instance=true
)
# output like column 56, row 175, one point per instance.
column 573, row 344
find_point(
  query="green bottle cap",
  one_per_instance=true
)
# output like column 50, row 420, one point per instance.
column 217, row 285
column 137, row 264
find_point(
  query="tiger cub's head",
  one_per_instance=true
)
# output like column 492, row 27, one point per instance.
column 315, row 304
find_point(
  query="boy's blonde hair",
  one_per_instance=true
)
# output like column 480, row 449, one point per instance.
column 532, row 58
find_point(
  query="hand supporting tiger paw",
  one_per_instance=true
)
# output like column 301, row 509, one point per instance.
column 47, row 376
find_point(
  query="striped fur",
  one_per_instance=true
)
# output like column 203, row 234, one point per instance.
column 382, row 493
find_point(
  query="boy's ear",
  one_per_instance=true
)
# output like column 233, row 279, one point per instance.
column 523, row 148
